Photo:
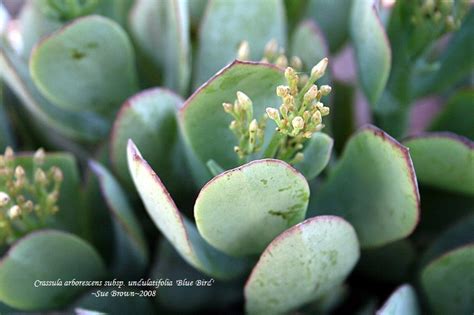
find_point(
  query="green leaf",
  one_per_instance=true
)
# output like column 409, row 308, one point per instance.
column 309, row 44
column 204, row 120
column 169, row 265
column 317, row 153
column 457, row 116
column 374, row 187
column 149, row 119
column 343, row 114
column 241, row 211
column 83, row 125
column 46, row 256
column 402, row 302
column 444, row 160
column 456, row 62
column 332, row 16
column 73, row 67
column 182, row 234
column 162, row 30
column 131, row 252
column 447, row 282
column 227, row 23
column 372, row 49
column 6, row 136
column 301, row 264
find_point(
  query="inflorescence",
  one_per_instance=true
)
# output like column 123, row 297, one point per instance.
column 298, row 118
column 27, row 201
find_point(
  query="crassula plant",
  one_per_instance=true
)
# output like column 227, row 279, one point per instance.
column 221, row 156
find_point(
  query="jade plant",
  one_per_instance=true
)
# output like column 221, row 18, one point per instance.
column 221, row 156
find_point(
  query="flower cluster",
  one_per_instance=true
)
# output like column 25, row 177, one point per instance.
column 301, row 112
column 445, row 13
column 248, row 131
column 272, row 53
column 26, row 202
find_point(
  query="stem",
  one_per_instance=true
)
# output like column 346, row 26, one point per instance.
column 274, row 144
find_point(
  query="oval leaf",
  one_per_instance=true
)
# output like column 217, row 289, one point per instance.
column 308, row 32
column 175, row 227
column 204, row 120
column 302, row 264
column 447, row 282
column 227, row 23
column 46, row 255
column 444, row 160
column 241, row 211
column 374, row 187
column 161, row 29
column 372, row 49
column 88, row 64
column 82, row 125
column 154, row 111
column 402, row 302
column 131, row 253
column 316, row 155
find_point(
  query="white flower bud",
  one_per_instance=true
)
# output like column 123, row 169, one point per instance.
column 243, row 53
column 253, row 126
column 40, row 176
column 296, row 63
column 282, row 90
column 297, row 123
column 244, row 101
column 271, row 48
column 316, row 118
column 319, row 69
column 311, row 94
column 228, row 108
column 19, row 172
column 38, row 158
column 14, row 212
column 325, row 90
column 4, row 199
column 282, row 61
column 273, row 113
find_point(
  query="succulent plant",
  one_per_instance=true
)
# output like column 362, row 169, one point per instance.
column 259, row 157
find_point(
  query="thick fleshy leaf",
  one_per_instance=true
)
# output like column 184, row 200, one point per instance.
column 343, row 114
column 302, row 264
column 131, row 253
column 46, row 256
column 455, row 63
column 457, row 116
column 374, row 187
column 309, row 44
column 204, row 120
column 149, row 119
column 241, row 211
column 402, row 302
column 161, row 29
column 333, row 18
column 6, row 136
column 82, row 125
column 203, row 292
column 73, row 67
column 227, row 23
column 443, row 160
column 447, row 282
column 182, row 234
column 372, row 49
column 316, row 155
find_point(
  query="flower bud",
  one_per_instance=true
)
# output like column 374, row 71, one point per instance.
column 319, row 69
column 4, row 199
column 9, row 154
column 19, row 172
column 243, row 52
column 253, row 127
column 40, row 176
column 228, row 108
column 296, row 63
column 325, row 90
column 14, row 212
column 324, row 111
column 273, row 113
column 38, row 158
column 316, row 118
column 311, row 94
column 244, row 100
column 282, row 61
column 282, row 90
column 271, row 48
column 57, row 174
column 297, row 123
